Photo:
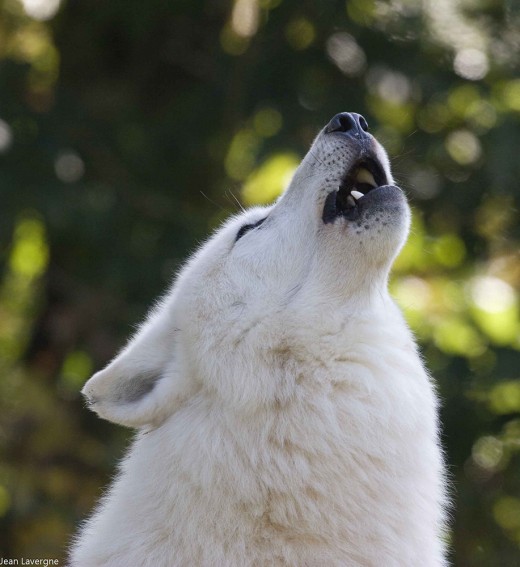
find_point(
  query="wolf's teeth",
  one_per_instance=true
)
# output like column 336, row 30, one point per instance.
column 364, row 176
column 351, row 201
column 356, row 194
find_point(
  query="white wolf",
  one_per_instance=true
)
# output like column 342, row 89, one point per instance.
column 284, row 414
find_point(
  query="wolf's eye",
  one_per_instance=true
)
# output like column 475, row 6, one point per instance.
column 247, row 227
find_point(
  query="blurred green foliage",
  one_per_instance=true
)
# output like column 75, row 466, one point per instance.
column 127, row 131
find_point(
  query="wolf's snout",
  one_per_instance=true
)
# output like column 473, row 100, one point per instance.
column 350, row 123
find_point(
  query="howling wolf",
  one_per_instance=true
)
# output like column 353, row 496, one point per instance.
column 284, row 415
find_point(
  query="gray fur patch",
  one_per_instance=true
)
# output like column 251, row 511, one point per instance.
column 135, row 388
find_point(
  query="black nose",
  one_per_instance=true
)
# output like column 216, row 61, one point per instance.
column 350, row 123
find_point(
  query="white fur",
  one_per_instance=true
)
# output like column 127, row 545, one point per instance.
column 289, row 420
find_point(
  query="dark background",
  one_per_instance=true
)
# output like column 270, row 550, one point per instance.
column 129, row 130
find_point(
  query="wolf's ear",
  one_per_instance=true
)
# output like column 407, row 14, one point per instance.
column 142, row 385
column 134, row 397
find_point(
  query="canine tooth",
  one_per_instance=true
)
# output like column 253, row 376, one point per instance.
column 356, row 194
column 364, row 176
column 351, row 201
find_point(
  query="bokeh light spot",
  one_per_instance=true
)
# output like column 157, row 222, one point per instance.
column 41, row 9
column 511, row 95
column 362, row 12
column 300, row 34
column 77, row 367
column 244, row 18
column 413, row 293
column 267, row 122
column 425, row 183
column 492, row 294
column 471, row 64
column 241, row 155
column 495, row 309
column 455, row 336
column 449, row 250
column 69, row 167
column 6, row 136
column 463, row 147
column 270, row 179
column 30, row 254
column 504, row 398
column 345, row 52
column 391, row 86
column 507, row 512
column 488, row 452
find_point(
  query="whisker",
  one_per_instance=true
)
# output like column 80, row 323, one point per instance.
column 235, row 198
column 221, row 208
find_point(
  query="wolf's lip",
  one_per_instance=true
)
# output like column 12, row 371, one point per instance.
column 364, row 176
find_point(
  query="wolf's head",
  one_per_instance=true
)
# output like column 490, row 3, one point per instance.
column 341, row 215
column 271, row 281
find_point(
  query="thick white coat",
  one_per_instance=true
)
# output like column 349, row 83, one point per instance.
column 284, row 414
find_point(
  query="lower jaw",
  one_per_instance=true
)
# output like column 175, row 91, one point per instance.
column 383, row 196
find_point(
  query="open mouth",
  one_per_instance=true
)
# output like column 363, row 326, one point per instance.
column 364, row 176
